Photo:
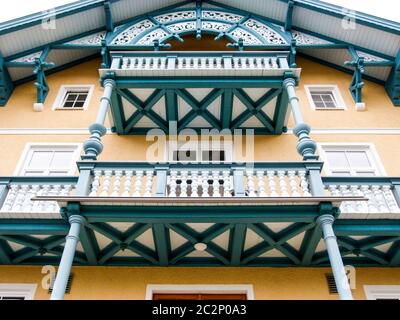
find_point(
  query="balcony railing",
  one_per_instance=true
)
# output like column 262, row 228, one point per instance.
column 194, row 181
column 199, row 64
column 17, row 193
column 383, row 198
column 200, row 180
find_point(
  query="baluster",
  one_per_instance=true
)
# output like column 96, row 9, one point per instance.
column 21, row 197
column 128, row 183
column 355, row 191
column 45, row 191
column 11, row 197
column 261, row 183
column 183, row 184
column 226, row 176
column 304, row 183
column 106, row 183
column 334, row 191
column 215, row 184
column 172, row 185
column 205, row 185
column 195, row 184
column 293, row 183
column 282, row 183
column 271, row 183
column 390, row 200
column 54, row 191
column 376, row 190
column 95, row 183
column 149, row 183
column 34, row 204
column 250, row 183
column 117, row 183
column 138, row 184
column 371, row 201
column 345, row 192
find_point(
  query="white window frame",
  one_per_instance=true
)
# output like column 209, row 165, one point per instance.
column 30, row 146
column 373, row 292
column 368, row 147
column 152, row 289
column 18, row 290
column 340, row 104
column 57, row 105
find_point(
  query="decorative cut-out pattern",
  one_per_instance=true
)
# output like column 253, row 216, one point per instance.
column 128, row 35
column 222, row 16
column 215, row 26
column 29, row 58
column 93, row 39
column 148, row 39
column 182, row 27
column 176, row 16
column 304, row 39
column 369, row 57
column 247, row 37
column 267, row 33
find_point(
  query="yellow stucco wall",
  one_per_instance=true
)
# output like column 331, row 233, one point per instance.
column 268, row 283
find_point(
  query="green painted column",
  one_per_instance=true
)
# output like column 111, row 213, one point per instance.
column 93, row 146
column 306, row 146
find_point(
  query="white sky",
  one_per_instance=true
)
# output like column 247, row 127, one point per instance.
column 389, row 9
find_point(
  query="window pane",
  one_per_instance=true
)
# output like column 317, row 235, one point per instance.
column 330, row 105
column 184, row 155
column 40, row 159
column 358, row 159
column 316, row 97
column 337, row 159
column 319, row 104
column 58, row 173
column 68, row 104
column 71, row 96
column 82, row 97
column 79, row 104
column 213, row 155
column 61, row 159
column 327, row 97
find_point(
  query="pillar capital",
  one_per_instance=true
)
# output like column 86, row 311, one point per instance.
column 109, row 83
column 325, row 219
column 76, row 219
column 289, row 82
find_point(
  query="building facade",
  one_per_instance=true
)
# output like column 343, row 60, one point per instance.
column 200, row 176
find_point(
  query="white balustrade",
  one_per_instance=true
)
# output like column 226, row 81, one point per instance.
column 18, row 199
column 380, row 198
column 198, row 63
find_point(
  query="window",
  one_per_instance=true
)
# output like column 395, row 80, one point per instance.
column 48, row 160
column 193, row 152
column 17, row 291
column 199, row 292
column 351, row 160
column 325, row 97
column 73, row 97
column 382, row 292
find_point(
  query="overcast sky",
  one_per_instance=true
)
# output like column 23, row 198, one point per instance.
column 389, row 9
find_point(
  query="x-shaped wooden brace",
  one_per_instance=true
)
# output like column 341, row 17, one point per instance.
column 123, row 241
column 255, row 108
column 364, row 247
column 143, row 108
column 275, row 241
column 35, row 247
column 194, row 237
column 199, row 108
